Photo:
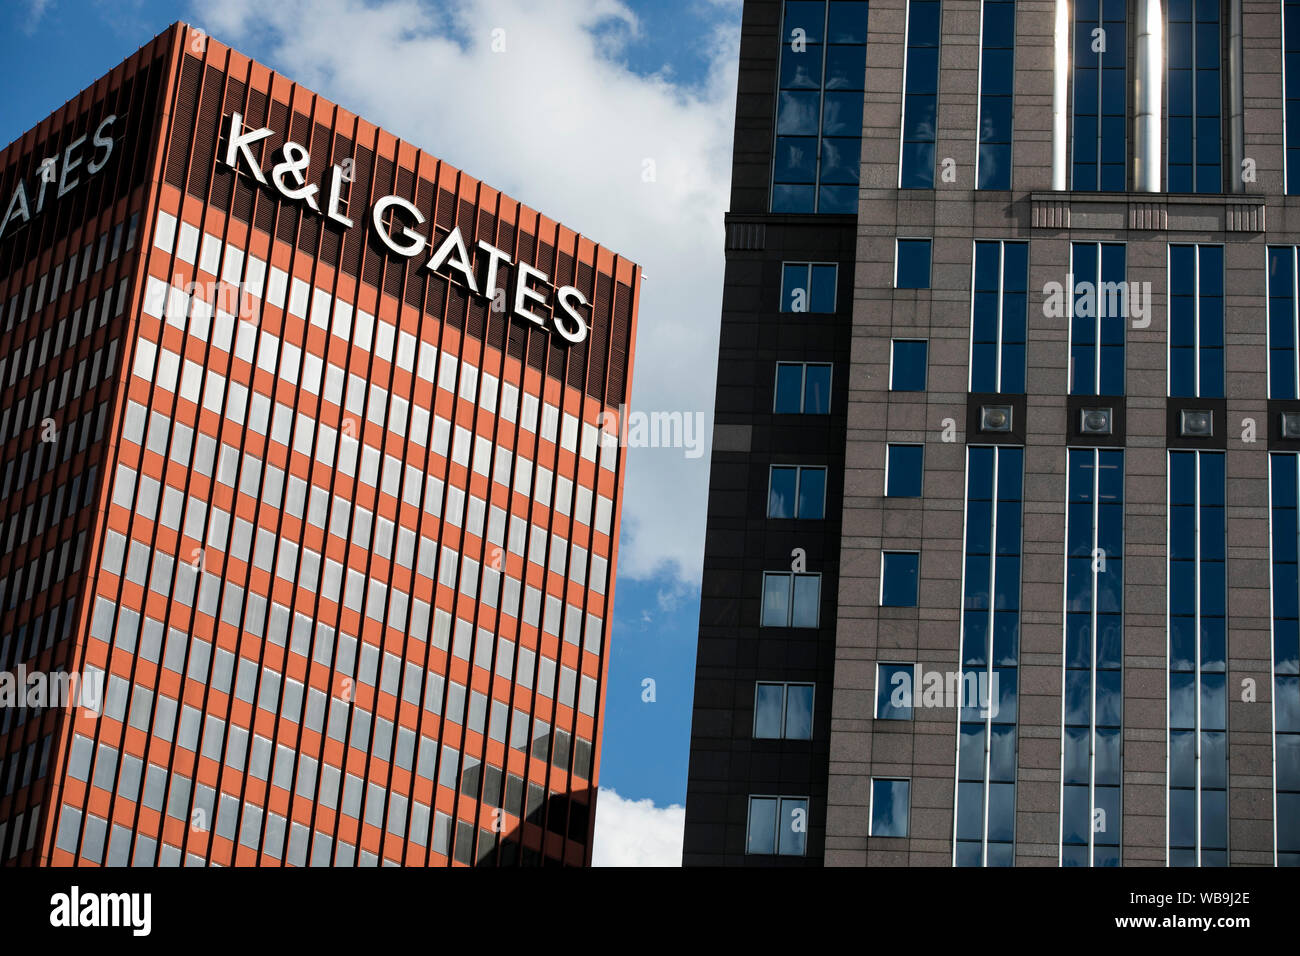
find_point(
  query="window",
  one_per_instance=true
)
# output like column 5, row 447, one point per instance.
column 1195, row 321
column 808, row 286
column 912, row 264
column 890, row 803
column 907, row 365
column 796, row 492
column 1197, row 655
column 819, row 106
column 1283, row 321
column 802, row 388
column 904, row 471
column 999, row 312
column 1100, row 97
column 1286, row 655
column 791, row 600
column 895, row 684
column 783, row 711
column 1291, row 89
column 1098, row 309
column 1195, row 115
column 777, row 825
column 997, row 80
column 990, row 649
column 898, row 578
column 1092, row 714
column 920, row 95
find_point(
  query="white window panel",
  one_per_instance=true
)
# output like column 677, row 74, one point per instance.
column 482, row 455
column 365, row 329
column 320, row 308
column 245, row 340
column 255, row 276
column 210, row 257
column 164, row 232
column 569, row 433
column 276, row 287
column 523, row 476
column 487, row 392
column 460, row 450
column 428, row 361
column 509, row 402
column 590, row 441
column 155, row 296
column 529, row 420
column 550, row 422
column 232, row 264
column 188, row 247
column 468, row 382
column 406, row 351
column 268, row 352
column 441, row 435
column 299, row 293
column 447, row 373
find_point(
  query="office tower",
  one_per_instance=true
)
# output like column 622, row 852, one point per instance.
column 1002, row 556
column 304, row 461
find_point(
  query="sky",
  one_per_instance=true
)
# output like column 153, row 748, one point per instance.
column 612, row 116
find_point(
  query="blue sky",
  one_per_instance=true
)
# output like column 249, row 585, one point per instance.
column 641, row 82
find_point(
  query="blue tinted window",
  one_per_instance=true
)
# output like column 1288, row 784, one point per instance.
column 797, row 492
column 1291, row 78
column 822, row 73
column 782, row 488
column 777, row 825
column 802, row 389
column 783, row 711
column 904, row 471
column 1195, row 140
column 769, row 710
column 798, row 711
column 890, row 804
column 1283, row 331
column 808, row 287
column 1285, row 532
column 920, row 95
column 997, row 78
column 909, row 365
column 1196, row 321
column 791, row 600
column 898, row 578
column 912, row 270
column 894, row 691
column 999, row 314
column 1100, row 97
column 1099, row 309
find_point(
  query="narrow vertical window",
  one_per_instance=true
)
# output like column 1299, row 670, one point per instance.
column 1100, row 96
column 997, row 85
column 1197, row 655
column 819, row 106
column 999, row 313
column 1195, row 111
column 920, row 95
column 1092, row 712
column 1195, row 321
column 1283, row 324
column 1291, row 92
column 985, row 826
column 1099, row 305
column 1285, row 483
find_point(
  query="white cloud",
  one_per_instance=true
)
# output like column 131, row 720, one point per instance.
column 559, row 122
column 636, row 832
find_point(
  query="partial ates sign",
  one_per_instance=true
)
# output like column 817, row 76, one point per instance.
column 396, row 223
column 58, row 175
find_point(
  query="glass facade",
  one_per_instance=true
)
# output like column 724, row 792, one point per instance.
column 997, row 87
column 1196, row 321
column 1101, row 89
column 920, row 95
column 1285, row 527
column 999, row 315
column 985, row 828
column 1098, row 317
column 1198, row 638
column 1195, row 97
column 1092, row 708
column 819, row 106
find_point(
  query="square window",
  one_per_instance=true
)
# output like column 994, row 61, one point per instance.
column 904, row 471
column 908, row 365
column 898, row 578
column 912, row 266
column 777, row 825
column 890, row 806
column 796, row 492
column 894, row 686
column 808, row 286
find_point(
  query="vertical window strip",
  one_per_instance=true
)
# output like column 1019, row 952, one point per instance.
column 1285, row 536
column 1100, row 96
column 999, row 317
column 920, row 95
column 1291, row 92
column 1195, row 111
column 1092, row 718
column 984, row 822
column 997, row 83
column 822, row 75
column 1197, row 659
column 1283, row 324
column 1196, row 326
column 1098, row 308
